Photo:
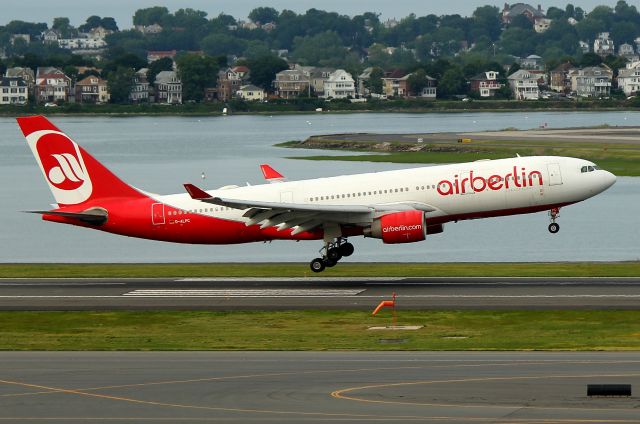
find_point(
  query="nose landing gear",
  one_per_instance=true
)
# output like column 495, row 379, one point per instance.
column 332, row 252
column 554, row 227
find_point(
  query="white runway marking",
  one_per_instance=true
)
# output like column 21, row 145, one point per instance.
column 244, row 292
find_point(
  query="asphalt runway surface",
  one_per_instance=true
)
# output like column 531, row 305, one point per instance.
column 318, row 293
column 314, row 387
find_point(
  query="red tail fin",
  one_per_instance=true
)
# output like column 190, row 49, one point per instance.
column 73, row 175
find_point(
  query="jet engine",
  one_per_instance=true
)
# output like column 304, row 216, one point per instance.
column 401, row 227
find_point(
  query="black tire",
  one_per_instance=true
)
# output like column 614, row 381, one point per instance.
column 317, row 265
column 334, row 254
column 347, row 249
column 554, row 228
column 329, row 263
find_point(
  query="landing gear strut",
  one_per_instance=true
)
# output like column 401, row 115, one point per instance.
column 553, row 227
column 331, row 253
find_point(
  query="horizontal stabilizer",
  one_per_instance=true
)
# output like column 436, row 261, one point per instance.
column 94, row 217
column 271, row 174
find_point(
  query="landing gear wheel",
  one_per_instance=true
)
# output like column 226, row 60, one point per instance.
column 347, row 249
column 317, row 265
column 554, row 228
column 329, row 263
column 334, row 254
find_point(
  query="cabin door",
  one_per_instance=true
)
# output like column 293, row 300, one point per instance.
column 555, row 176
column 157, row 214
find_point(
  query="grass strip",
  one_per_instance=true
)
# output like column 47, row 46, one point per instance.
column 320, row 330
column 537, row 269
column 621, row 159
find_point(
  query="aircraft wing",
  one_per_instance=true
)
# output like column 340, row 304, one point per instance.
column 303, row 216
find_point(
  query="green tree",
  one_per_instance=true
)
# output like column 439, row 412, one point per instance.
column 190, row 19
column 119, row 83
column 95, row 21
column 515, row 67
column 22, row 27
column 264, row 15
column 92, row 22
column 517, row 41
column 151, row 15
column 197, row 73
column 222, row 44
column 590, row 59
column 521, row 21
column 324, row 49
column 157, row 66
column 417, row 81
column 256, row 49
column 452, row 83
column 556, row 13
column 109, row 23
column 485, row 21
column 375, row 83
column 264, row 70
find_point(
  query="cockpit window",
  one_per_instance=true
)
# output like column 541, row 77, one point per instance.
column 589, row 168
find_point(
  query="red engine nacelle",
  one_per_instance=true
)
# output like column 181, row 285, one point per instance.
column 399, row 227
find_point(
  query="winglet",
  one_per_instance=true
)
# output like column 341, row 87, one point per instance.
column 196, row 193
column 271, row 174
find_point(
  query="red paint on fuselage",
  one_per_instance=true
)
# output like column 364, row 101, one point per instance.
column 133, row 218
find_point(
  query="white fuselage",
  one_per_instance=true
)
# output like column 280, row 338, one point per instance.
column 458, row 191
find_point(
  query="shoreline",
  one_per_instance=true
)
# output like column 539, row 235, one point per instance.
column 309, row 108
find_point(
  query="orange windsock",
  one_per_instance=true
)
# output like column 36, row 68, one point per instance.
column 385, row 304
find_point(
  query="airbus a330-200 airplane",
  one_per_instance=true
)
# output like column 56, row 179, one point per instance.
column 402, row 206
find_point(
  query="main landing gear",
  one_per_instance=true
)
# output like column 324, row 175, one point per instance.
column 553, row 227
column 332, row 252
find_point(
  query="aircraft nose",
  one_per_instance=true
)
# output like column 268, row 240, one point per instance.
column 608, row 180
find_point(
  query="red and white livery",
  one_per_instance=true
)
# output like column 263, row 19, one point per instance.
column 402, row 206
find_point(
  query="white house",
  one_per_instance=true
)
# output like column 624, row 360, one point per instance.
column 339, row 85
column 603, row 45
column 140, row 88
column 168, row 88
column 592, row 81
column 251, row 93
column 524, row 85
column 13, row 91
column 629, row 78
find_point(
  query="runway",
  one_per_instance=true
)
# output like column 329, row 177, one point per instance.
column 318, row 293
column 311, row 387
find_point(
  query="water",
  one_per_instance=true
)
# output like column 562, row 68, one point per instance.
column 158, row 154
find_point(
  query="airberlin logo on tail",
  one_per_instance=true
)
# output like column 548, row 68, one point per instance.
column 63, row 166
column 476, row 184
column 68, row 175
